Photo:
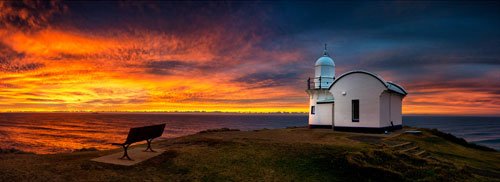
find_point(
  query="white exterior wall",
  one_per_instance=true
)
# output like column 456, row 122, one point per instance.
column 323, row 112
column 323, row 115
column 390, row 109
column 384, row 109
column 367, row 90
column 396, row 109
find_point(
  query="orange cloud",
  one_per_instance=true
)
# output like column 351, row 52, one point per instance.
column 44, row 67
column 94, row 72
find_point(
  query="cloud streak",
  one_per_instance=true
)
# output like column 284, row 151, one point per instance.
column 251, row 57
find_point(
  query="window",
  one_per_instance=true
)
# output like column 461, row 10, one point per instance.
column 312, row 110
column 355, row 110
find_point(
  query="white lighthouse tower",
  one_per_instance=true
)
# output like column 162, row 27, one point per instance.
column 321, row 101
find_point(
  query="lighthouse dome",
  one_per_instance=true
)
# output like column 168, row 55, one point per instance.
column 325, row 60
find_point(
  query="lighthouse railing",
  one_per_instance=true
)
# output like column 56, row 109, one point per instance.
column 314, row 83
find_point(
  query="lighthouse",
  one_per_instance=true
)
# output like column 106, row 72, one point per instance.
column 357, row 100
column 320, row 99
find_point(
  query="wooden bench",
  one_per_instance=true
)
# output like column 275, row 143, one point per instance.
column 138, row 134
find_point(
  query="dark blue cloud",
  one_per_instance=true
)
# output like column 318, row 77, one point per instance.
column 165, row 67
column 269, row 79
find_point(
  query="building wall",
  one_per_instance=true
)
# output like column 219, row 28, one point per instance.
column 323, row 114
column 384, row 109
column 390, row 109
column 367, row 90
column 396, row 109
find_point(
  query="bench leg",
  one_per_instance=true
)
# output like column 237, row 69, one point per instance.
column 125, row 153
column 149, row 146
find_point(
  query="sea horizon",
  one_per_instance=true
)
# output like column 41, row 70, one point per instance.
column 224, row 112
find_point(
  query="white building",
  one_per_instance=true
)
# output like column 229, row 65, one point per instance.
column 355, row 101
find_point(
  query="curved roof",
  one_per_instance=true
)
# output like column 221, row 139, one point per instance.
column 324, row 61
column 396, row 88
column 389, row 85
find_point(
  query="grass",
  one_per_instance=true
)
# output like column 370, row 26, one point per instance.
column 292, row 154
column 459, row 141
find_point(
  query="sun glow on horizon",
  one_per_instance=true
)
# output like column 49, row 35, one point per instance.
column 67, row 66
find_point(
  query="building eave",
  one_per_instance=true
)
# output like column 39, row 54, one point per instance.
column 386, row 84
column 325, row 102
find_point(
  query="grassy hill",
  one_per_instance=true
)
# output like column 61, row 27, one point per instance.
column 294, row 154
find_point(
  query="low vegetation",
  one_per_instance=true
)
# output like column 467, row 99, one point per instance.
column 459, row 141
column 292, row 154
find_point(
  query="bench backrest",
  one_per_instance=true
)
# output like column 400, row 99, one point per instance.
column 144, row 133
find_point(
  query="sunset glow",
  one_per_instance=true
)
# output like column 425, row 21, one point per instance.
column 61, row 58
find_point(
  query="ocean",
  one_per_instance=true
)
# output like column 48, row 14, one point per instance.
column 46, row 133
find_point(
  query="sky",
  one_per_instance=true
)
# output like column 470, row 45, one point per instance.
column 243, row 56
